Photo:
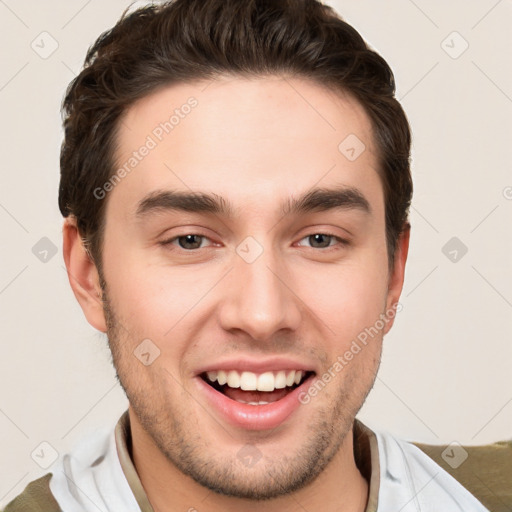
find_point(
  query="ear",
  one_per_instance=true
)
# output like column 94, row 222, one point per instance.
column 83, row 275
column 396, row 276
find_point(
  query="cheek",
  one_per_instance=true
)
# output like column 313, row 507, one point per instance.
column 163, row 304
column 143, row 302
column 346, row 297
column 154, row 303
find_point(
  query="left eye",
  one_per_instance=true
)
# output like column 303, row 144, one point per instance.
column 323, row 240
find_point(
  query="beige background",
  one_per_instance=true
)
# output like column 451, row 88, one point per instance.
column 446, row 366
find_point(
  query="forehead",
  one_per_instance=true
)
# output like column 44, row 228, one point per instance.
column 256, row 140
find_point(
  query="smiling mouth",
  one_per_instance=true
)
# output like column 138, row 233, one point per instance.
column 255, row 389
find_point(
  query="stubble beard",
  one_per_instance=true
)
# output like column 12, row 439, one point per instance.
column 183, row 446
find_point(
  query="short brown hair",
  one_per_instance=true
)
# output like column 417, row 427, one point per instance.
column 185, row 40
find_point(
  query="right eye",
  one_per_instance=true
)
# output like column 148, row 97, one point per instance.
column 188, row 242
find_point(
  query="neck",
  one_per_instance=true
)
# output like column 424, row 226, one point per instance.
column 339, row 488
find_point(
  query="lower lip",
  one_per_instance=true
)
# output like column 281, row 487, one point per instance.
column 253, row 417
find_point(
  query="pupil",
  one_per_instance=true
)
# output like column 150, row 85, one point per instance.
column 189, row 240
column 320, row 236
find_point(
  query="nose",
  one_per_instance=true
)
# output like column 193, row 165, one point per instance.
column 259, row 298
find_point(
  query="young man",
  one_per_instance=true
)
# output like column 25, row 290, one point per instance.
column 235, row 181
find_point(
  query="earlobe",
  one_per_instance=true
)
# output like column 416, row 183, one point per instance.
column 396, row 277
column 83, row 275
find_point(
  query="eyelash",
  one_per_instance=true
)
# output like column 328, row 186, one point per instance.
column 341, row 242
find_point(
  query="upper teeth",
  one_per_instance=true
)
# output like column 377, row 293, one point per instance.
column 249, row 381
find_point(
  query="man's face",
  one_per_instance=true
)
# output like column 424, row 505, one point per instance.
column 252, row 289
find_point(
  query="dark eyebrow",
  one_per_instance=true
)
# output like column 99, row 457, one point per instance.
column 319, row 199
column 184, row 201
column 324, row 199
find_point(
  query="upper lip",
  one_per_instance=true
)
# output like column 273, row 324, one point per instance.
column 256, row 366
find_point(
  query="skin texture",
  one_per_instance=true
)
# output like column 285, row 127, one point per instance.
column 257, row 143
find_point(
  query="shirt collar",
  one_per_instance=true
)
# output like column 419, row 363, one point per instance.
column 123, row 437
column 366, row 456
